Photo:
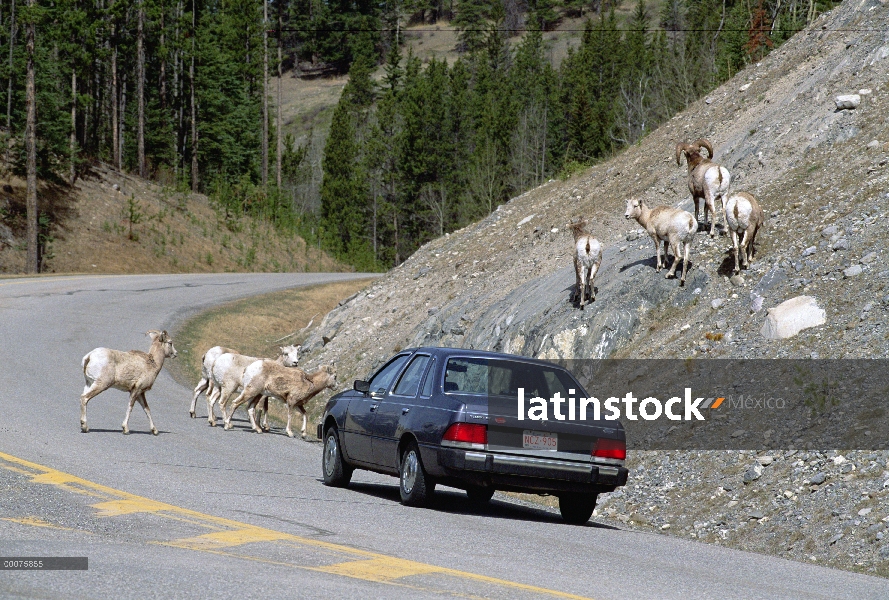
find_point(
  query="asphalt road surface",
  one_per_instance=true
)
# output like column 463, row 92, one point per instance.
column 200, row 512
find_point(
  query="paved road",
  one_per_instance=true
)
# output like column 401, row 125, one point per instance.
column 199, row 512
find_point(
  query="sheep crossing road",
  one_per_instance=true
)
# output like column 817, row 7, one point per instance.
column 198, row 512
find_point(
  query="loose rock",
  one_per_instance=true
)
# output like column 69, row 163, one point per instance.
column 792, row 316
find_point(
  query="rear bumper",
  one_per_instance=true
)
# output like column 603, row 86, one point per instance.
column 507, row 471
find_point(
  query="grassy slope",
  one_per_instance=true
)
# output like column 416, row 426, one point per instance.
column 177, row 232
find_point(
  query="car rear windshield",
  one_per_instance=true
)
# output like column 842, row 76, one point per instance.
column 498, row 377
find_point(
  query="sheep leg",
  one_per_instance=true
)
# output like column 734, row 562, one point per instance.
column 241, row 399
column 212, row 398
column 592, row 279
column 674, row 248
column 657, row 251
column 577, row 278
column 144, row 402
column 200, row 387
column 750, row 245
column 735, row 247
column 744, row 245
column 89, row 392
column 126, row 419
column 303, row 411
column 265, row 414
column 708, row 205
column 684, row 261
column 289, row 414
column 581, row 285
column 251, row 412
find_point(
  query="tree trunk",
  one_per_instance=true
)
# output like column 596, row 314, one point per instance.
column 194, row 106
column 280, row 141
column 162, row 78
column 115, row 121
column 265, row 96
column 73, row 141
column 140, row 90
column 12, row 33
column 123, row 115
column 33, row 260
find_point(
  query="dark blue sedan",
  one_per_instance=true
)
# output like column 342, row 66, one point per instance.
column 453, row 416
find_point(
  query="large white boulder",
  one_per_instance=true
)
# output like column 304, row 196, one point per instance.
column 847, row 101
column 792, row 316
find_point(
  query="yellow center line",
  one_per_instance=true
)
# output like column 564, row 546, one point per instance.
column 227, row 533
column 35, row 522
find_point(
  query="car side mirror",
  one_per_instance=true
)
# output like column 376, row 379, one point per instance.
column 361, row 386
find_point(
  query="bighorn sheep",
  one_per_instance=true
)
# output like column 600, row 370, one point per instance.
column 743, row 215
column 132, row 372
column 587, row 258
column 672, row 225
column 206, row 383
column 294, row 387
column 228, row 372
column 706, row 179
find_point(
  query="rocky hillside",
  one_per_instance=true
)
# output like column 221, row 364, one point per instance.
column 821, row 175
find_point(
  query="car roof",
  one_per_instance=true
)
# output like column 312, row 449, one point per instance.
column 470, row 353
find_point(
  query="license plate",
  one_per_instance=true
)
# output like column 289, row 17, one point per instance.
column 539, row 440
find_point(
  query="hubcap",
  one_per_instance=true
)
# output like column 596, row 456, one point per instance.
column 330, row 451
column 409, row 471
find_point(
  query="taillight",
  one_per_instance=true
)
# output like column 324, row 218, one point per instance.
column 608, row 448
column 469, row 433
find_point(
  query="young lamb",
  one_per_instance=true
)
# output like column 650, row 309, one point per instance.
column 587, row 258
column 206, row 383
column 743, row 215
column 294, row 387
column 228, row 371
column 672, row 225
column 132, row 372
column 706, row 179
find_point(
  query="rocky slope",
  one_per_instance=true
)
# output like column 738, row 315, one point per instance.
column 821, row 175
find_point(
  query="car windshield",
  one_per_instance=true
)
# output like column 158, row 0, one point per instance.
column 497, row 377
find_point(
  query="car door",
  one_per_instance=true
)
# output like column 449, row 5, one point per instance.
column 360, row 416
column 393, row 406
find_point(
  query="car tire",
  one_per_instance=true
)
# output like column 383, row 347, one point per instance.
column 334, row 469
column 577, row 509
column 414, row 485
column 479, row 494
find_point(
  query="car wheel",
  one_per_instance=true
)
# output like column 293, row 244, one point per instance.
column 334, row 469
column 415, row 486
column 479, row 494
column 577, row 509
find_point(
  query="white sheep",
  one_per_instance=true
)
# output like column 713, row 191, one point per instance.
column 133, row 372
column 206, row 383
column 294, row 387
column 228, row 371
column 706, row 179
column 744, row 216
column 672, row 225
column 587, row 259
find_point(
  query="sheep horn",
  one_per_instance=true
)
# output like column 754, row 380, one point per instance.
column 680, row 148
column 702, row 143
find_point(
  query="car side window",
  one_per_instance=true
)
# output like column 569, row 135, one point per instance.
column 410, row 381
column 380, row 382
column 429, row 382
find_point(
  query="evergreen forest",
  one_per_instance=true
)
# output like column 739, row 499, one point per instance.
column 180, row 91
